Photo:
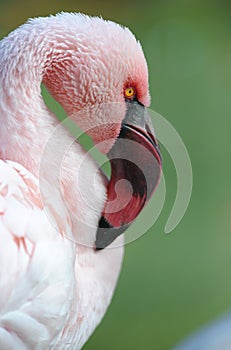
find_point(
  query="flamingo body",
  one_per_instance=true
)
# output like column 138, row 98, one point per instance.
column 40, row 308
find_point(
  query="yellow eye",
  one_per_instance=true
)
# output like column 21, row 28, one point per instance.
column 129, row 92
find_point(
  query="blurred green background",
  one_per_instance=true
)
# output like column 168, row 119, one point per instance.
column 172, row 284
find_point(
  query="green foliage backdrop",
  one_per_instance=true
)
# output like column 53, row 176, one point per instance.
column 172, row 284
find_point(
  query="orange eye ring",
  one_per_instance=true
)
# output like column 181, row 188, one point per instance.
column 129, row 92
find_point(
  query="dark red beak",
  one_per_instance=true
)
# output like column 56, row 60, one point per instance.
column 135, row 171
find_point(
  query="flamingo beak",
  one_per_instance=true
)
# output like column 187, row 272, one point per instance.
column 135, row 171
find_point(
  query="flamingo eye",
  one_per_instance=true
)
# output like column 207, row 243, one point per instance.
column 129, row 92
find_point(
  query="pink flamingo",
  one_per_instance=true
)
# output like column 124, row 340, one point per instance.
column 56, row 280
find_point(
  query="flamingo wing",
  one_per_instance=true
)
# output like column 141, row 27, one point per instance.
column 36, row 265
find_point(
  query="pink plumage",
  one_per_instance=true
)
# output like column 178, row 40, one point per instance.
column 55, row 287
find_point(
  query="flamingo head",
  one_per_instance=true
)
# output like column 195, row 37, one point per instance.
column 101, row 80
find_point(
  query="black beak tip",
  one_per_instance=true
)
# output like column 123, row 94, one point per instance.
column 101, row 234
column 106, row 234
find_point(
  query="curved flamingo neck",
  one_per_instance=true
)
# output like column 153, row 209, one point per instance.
column 25, row 121
column 29, row 133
